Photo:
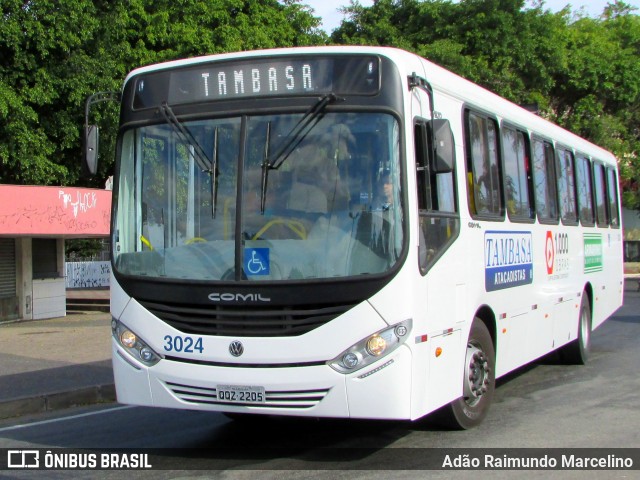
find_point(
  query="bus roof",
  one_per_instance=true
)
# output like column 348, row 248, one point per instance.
column 442, row 80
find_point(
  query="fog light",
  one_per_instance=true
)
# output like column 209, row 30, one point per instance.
column 376, row 345
column 146, row 354
column 128, row 338
column 350, row 360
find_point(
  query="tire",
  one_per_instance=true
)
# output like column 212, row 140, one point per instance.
column 577, row 352
column 479, row 381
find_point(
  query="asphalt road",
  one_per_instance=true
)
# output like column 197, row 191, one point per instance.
column 545, row 405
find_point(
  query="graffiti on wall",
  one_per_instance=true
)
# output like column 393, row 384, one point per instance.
column 81, row 202
column 87, row 274
column 29, row 210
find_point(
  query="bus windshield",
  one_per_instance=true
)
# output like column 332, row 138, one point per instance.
column 194, row 203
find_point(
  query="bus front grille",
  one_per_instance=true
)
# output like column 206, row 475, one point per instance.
column 244, row 321
column 298, row 399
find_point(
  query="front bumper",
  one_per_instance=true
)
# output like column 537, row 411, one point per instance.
column 380, row 391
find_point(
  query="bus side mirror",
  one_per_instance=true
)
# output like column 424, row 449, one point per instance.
column 444, row 152
column 91, row 148
column 90, row 134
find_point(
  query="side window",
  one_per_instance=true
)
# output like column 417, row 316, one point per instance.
column 567, row 187
column 600, row 187
column 424, row 188
column 585, row 191
column 485, row 192
column 545, row 182
column 612, row 191
column 517, row 172
column 439, row 220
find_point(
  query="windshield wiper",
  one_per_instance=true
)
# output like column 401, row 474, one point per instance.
column 294, row 137
column 201, row 158
column 265, row 169
column 301, row 129
column 185, row 135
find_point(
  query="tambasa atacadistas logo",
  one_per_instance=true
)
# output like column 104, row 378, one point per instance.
column 508, row 259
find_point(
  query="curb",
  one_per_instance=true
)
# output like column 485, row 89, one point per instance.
column 57, row 401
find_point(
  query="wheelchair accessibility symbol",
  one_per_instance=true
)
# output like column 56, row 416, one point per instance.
column 256, row 261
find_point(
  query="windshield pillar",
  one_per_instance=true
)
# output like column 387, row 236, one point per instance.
column 238, row 272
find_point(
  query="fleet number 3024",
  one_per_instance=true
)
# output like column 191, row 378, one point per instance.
column 177, row 343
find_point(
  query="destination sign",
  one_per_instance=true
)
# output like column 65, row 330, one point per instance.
column 346, row 75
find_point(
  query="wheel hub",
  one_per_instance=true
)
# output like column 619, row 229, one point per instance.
column 477, row 375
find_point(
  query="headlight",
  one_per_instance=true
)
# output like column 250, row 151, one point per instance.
column 133, row 344
column 370, row 349
column 376, row 345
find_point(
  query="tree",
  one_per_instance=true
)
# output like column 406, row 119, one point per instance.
column 496, row 43
column 83, row 249
column 40, row 67
column 54, row 54
column 597, row 95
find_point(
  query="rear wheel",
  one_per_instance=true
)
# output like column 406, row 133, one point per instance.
column 577, row 352
column 478, row 381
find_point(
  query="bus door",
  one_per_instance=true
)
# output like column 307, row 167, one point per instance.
column 439, row 225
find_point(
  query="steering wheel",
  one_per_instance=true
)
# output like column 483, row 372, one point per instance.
column 295, row 226
column 195, row 240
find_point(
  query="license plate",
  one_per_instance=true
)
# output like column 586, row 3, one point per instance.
column 240, row 394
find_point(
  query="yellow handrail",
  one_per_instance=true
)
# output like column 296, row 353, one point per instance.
column 146, row 242
column 293, row 225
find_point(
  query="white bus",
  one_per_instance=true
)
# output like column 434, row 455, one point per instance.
column 348, row 232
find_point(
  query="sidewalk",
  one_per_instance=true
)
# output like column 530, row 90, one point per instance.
column 55, row 363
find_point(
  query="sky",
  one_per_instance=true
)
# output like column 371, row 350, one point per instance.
column 331, row 17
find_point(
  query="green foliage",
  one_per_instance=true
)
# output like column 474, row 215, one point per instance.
column 583, row 73
column 54, row 54
column 496, row 43
column 39, row 45
column 78, row 249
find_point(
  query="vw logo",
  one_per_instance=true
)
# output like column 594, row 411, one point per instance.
column 236, row 348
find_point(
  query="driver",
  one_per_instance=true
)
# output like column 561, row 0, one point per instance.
column 383, row 199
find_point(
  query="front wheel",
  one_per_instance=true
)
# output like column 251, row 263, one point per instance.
column 478, row 383
column 577, row 352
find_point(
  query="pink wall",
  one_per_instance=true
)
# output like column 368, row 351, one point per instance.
column 54, row 211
